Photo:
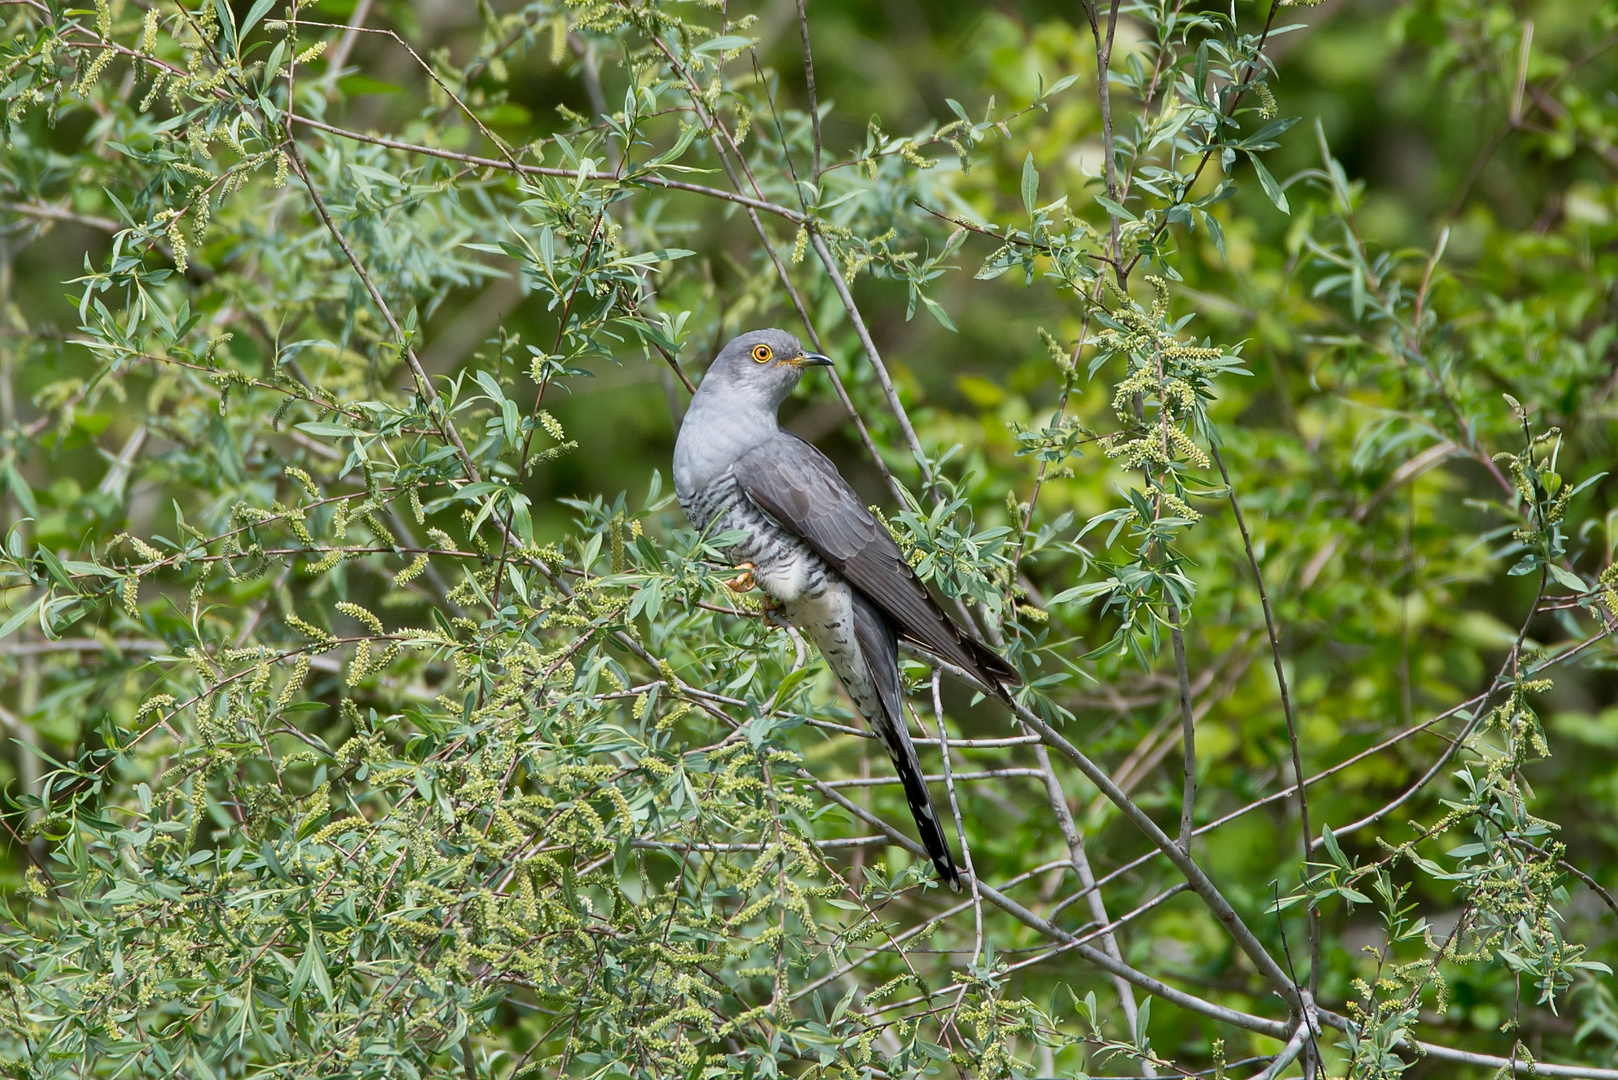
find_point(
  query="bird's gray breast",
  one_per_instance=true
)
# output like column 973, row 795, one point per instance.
column 784, row 567
column 815, row 597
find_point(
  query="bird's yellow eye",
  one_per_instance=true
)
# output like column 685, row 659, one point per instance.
column 762, row 353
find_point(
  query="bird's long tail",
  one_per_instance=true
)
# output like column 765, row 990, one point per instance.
column 879, row 643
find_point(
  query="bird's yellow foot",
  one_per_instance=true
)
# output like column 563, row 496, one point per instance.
column 742, row 582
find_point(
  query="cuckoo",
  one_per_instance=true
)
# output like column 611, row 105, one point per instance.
column 814, row 549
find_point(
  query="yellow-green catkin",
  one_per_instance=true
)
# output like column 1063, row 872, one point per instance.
column 92, row 74
column 1267, row 107
column 558, row 40
column 354, row 611
column 411, row 572
column 158, row 83
column 300, row 672
column 182, row 257
column 361, row 664
column 305, row 481
column 145, row 550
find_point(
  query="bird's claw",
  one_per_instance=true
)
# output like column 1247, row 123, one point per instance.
column 742, row 582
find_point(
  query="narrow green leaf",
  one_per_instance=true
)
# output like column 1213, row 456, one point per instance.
column 1114, row 209
column 723, row 44
column 1567, row 578
column 254, row 14
column 1267, row 182
column 315, row 427
column 20, row 616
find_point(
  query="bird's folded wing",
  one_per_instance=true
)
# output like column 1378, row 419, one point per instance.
column 801, row 489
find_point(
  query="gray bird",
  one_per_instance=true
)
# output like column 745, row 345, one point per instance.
column 814, row 549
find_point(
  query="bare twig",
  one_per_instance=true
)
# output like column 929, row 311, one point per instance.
column 1188, row 733
column 424, row 382
column 960, row 826
column 649, row 179
column 1286, row 704
column 933, row 778
column 1406, row 473
column 1095, row 956
column 1449, row 751
column 1080, row 862
column 338, row 57
column 1199, row 881
column 864, row 334
column 809, row 79
column 1288, row 1053
column 1103, row 44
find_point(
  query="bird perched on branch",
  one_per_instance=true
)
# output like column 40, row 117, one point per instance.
column 814, row 548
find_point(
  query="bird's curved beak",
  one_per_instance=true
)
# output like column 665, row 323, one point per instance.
column 811, row 359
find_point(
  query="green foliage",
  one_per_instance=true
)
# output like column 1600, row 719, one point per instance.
column 375, row 712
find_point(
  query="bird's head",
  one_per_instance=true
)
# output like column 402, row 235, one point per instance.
column 761, row 366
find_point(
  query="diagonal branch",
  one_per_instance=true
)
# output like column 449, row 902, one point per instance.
column 1155, row 987
column 424, row 384
column 960, row 825
column 1188, row 731
column 1286, row 704
column 521, row 168
column 1199, row 881
column 1080, row 862
column 863, row 332
column 809, row 79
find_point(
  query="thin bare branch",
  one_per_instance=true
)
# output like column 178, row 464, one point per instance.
column 1188, row 731
column 1200, row 883
column 1095, row 956
column 960, row 825
column 1286, row 703
column 647, row 179
column 809, row 79
column 424, row 382
column 1080, row 862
